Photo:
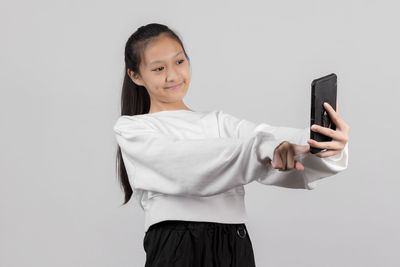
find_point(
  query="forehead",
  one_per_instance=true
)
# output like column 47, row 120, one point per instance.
column 161, row 49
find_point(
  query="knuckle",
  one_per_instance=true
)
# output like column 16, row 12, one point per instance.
column 285, row 144
column 345, row 137
column 328, row 146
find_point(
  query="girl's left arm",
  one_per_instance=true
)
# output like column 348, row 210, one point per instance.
column 316, row 166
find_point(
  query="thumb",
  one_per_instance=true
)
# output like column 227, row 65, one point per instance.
column 299, row 149
column 272, row 163
column 337, row 106
column 299, row 166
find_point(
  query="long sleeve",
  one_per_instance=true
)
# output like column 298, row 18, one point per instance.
column 315, row 168
column 202, row 167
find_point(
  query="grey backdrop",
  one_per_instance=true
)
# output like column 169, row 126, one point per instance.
column 61, row 73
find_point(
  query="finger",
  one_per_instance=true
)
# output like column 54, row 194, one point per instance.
column 337, row 106
column 290, row 162
column 277, row 161
column 331, row 145
column 299, row 166
column 329, row 153
column 284, row 158
column 280, row 161
column 334, row 134
column 333, row 115
column 301, row 149
column 274, row 164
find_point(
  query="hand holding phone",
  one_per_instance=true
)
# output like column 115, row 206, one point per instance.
column 331, row 133
column 323, row 90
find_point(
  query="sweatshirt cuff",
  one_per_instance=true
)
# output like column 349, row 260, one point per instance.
column 266, row 150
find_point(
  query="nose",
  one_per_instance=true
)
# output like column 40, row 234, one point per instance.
column 172, row 73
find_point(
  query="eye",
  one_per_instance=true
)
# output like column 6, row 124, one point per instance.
column 157, row 68
column 163, row 67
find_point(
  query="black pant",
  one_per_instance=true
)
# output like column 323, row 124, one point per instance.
column 198, row 244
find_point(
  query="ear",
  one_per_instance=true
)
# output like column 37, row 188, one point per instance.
column 135, row 77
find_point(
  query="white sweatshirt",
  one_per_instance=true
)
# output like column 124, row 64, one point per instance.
column 185, row 165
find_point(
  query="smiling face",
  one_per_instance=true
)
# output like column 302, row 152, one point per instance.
column 164, row 66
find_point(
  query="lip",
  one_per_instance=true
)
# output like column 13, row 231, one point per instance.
column 174, row 87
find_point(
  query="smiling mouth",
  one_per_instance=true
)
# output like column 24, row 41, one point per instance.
column 175, row 86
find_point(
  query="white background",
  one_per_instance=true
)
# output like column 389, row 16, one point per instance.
column 61, row 78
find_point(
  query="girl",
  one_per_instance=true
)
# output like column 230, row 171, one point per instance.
column 187, row 168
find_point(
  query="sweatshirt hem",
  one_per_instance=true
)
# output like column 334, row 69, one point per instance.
column 221, row 208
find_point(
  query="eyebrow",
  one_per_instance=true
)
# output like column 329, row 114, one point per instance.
column 157, row 61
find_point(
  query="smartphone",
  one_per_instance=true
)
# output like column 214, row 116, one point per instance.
column 323, row 89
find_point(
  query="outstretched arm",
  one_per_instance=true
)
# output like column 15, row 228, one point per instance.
column 315, row 167
column 159, row 162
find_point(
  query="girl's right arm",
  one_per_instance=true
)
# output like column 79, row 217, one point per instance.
column 315, row 168
column 202, row 167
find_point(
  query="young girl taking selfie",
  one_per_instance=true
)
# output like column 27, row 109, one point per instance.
column 187, row 169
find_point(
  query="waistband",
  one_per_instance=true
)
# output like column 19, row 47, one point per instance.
column 182, row 225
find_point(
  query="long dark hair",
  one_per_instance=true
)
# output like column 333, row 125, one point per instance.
column 134, row 98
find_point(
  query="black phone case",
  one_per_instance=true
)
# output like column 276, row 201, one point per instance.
column 323, row 89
